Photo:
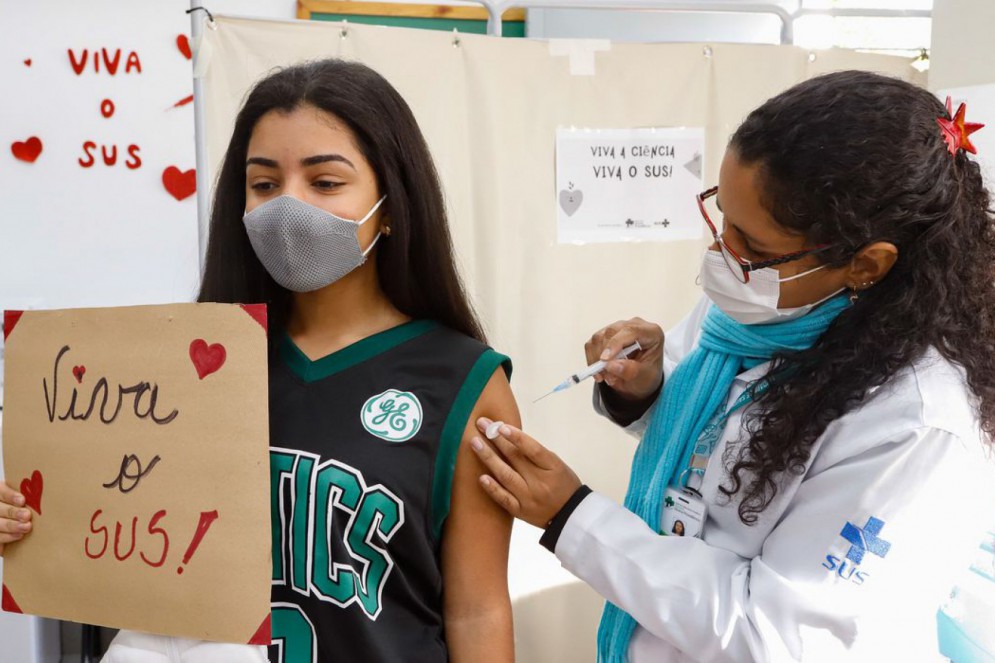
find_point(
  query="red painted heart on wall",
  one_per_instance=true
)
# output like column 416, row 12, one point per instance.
column 28, row 150
column 183, row 44
column 180, row 184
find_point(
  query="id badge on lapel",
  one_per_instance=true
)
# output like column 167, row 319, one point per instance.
column 684, row 512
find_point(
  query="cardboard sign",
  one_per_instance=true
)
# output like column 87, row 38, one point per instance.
column 622, row 185
column 139, row 437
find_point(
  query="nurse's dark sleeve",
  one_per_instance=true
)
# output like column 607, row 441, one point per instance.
column 555, row 526
column 623, row 411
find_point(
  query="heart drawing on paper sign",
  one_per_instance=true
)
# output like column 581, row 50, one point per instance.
column 570, row 200
column 32, row 489
column 27, row 63
column 79, row 372
column 179, row 184
column 27, row 150
column 206, row 358
column 183, row 44
column 694, row 165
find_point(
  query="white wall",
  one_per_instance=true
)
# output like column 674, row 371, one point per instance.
column 963, row 51
column 276, row 9
column 653, row 26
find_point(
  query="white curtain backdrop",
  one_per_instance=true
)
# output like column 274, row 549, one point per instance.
column 489, row 109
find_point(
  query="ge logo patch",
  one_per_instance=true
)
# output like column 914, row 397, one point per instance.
column 395, row 416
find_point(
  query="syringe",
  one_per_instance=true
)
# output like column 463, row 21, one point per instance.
column 593, row 369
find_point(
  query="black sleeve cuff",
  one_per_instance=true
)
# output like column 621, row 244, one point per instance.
column 624, row 412
column 559, row 521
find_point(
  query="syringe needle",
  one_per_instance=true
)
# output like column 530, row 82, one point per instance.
column 560, row 387
column 543, row 396
column 591, row 370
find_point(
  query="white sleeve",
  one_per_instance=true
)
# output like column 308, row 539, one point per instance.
column 787, row 600
column 677, row 342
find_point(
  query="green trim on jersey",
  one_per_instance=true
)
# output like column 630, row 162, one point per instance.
column 367, row 348
column 452, row 432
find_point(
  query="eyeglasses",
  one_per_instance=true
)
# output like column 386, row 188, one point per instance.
column 741, row 267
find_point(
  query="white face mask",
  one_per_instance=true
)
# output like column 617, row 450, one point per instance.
column 753, row 303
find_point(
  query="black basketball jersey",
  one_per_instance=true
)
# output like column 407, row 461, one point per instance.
column 363, row 448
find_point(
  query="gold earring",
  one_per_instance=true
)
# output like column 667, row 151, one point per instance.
column 386, row 231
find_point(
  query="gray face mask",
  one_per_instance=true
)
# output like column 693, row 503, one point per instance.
column 303, row 247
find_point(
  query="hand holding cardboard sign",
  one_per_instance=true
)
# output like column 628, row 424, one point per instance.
column 15, row 519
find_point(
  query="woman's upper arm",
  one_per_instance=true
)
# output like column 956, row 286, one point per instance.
column 477, row 532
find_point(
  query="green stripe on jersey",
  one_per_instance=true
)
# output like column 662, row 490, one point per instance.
column 367, row 348
column 452, row 432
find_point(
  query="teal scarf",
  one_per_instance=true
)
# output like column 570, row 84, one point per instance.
column 691, row 397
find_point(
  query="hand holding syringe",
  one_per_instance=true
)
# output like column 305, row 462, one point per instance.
column 591, row 370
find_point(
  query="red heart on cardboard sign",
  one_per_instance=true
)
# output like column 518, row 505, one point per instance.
column 183, row 44
column 27, row 63
column 32, row 489
column 206, row 358
column 178, row 183
column 79, row 372
column 27, row 150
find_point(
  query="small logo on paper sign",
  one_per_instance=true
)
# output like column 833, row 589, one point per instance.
column 570, row 199
column 694, row 166
column 395, row 416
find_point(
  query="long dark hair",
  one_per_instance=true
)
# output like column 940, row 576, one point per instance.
column 847, row 159
column 415, row 265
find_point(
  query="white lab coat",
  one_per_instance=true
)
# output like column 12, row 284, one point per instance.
column 911, row 457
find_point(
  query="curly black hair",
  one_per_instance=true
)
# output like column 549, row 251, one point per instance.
column 847, row 159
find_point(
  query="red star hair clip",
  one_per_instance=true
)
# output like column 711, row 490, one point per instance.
column 956, row 130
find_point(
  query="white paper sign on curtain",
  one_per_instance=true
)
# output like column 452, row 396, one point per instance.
column 619, row 185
